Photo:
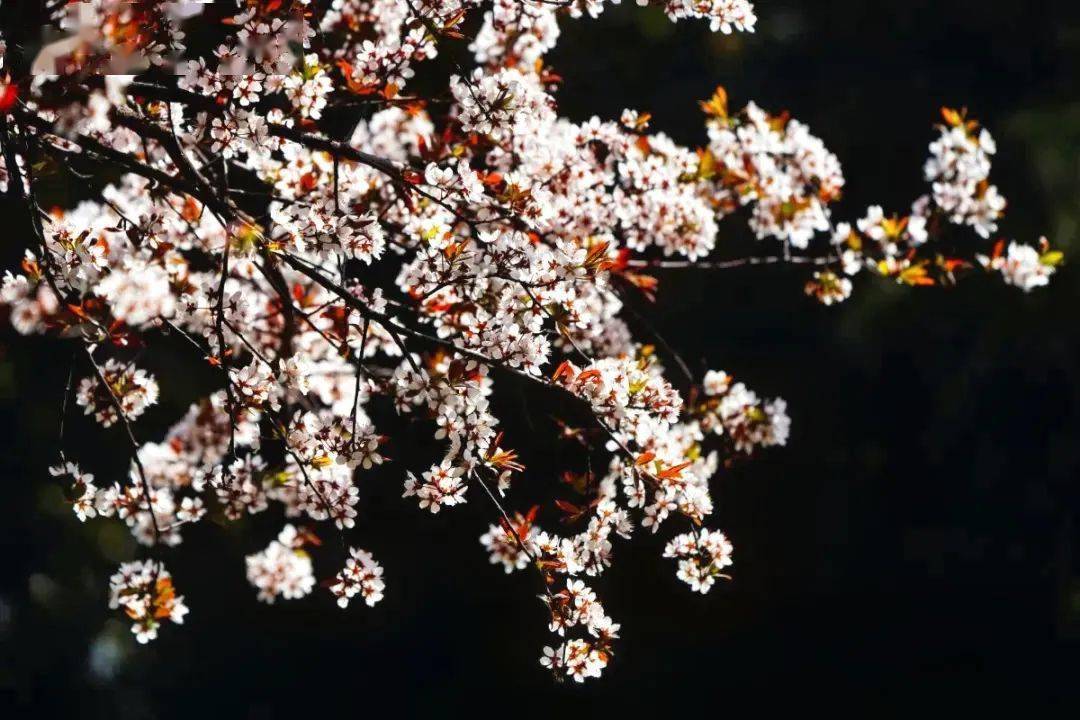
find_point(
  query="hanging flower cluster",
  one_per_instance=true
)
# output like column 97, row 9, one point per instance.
column 117, row 390
column 774, row 164
column 144, row 591
column 576, row 607
column 333, row 246
column 284, row 569
column 702, row 556
column 361, row 575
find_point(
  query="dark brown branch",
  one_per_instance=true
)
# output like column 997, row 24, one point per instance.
column 122, row 416
column 728, row 264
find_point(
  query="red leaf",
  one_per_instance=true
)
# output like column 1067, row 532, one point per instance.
column 999, row 248
column 567, row 507
column 674, row 471
column 588, row 375
column 565, row 369
column 9, row 93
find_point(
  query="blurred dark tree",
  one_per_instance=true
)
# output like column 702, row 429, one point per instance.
column 916, row 542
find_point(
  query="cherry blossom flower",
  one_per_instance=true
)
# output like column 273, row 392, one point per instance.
column 144, row 591
column 829, row 288
column 702, row 556
column 576, row 607
column 959, row 168
column 455, row 242
column 126, row 389
column 83, row 491
column 362, row 575
column 1024, row 266
column 283, row 569
column 442, row 485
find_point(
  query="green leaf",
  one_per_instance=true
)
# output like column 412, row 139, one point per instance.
column 1052, row 258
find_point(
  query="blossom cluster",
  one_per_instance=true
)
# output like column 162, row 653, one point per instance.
column 576, row 607
column 361, row 575
column 83, row 492
column 774, row 164
column 730, row 408
column 284, row 569
column 1022, row 265
column 959, row 170
column 702, row 556
column 120, row 390
column 144, row 591
column 283, row 209
column 789, row 179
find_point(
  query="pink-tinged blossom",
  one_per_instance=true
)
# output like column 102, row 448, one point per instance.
column 126, row 387
column 283, row 569
column 441, row 486
column 1023, row 266
column 144, row 591
column 828, row 288
column 959, row 169
column 511, row 546
column 460, row 244
column 776, row 166
column 361, row 575
column 576, row 610
column 83, row 492
column 702, row 556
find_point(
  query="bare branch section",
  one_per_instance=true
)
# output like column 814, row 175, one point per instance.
column 284, row 202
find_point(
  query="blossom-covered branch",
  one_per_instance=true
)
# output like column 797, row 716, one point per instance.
column 324, row 235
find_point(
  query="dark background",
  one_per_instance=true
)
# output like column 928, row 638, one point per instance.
column 915, row 545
